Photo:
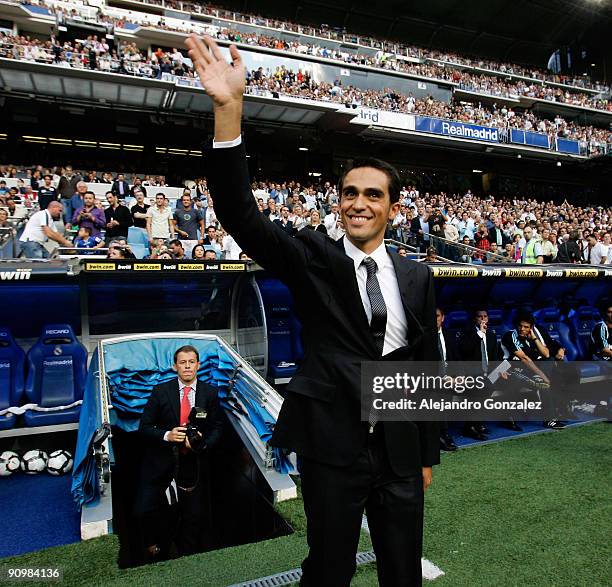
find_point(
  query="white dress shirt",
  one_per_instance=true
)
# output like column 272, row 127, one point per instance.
column 442, row 344
column 190, row 396
column 396, row 334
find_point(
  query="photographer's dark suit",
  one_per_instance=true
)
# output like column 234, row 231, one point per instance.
column 344, row 467
column 164, row 461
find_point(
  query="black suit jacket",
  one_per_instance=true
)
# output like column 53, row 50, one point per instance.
column 470, row 348
column 321, row 416
column 160, row 415
column 288, row 228
column 492, row 236
column 116, row 190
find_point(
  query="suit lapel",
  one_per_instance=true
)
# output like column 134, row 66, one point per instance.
column 343, row 271
column 174, row 399
column 404, row 272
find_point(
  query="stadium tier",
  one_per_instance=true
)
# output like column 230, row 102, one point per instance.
column 267, row 269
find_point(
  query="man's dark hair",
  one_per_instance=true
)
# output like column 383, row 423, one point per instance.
column 523, row 316
column 186, row 349
column 573, row 235
column 90, row 192
column 86, row 229
column 175, row 241
column 390, row 171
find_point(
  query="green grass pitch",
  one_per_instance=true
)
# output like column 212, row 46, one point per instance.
column 532, row 511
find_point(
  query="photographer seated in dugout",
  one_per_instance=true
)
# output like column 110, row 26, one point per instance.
column 180, row 423
column 537, row 352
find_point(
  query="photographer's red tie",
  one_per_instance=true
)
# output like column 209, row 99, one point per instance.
column 185, row 406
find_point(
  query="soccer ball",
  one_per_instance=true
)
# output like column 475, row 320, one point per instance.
column 34, row 461
column 9, row 463
column 59, row 463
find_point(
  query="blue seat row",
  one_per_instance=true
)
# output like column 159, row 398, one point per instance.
column 52, row 374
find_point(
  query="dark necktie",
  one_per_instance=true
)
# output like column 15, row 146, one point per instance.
column 483, row 355
column 378, row 324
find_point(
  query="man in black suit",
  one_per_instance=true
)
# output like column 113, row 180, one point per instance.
column 479, row 345
column 173, row 471
column 446, row 350
column 284, row 223
column 369, row 302
column 120, row 187
column 496, row 233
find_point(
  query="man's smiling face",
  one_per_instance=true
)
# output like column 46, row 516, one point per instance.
column 365, row 206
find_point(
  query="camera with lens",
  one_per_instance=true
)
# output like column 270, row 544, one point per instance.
column 196, row 424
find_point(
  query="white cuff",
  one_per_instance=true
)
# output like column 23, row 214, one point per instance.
column 227, row 144
column 166, row 436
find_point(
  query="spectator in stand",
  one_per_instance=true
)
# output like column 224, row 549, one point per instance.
column 230, row 248
column 92, row 177
column 4, row 221
column 137, row 186
column 15, row 211
column 569, row 251
column 89, row 216
column 284, row 222
column 3, row 188
column 66, row 188
column 332, row 218
column 159, row 219
column 315, row 222
column 494, row 255
column 186, row 222
column 46, row 192
column 197, row 252
column 211, row 237
column 118, row 218
column 177, row 249
column 481, row 242
column 39, row 230
column 139, row 209
column 210, row 255
column 85, row 240
column 532, row 253
column 549, row 249
column 120, row 188
column 606, row 249
column 107, row 177
column 76, row 201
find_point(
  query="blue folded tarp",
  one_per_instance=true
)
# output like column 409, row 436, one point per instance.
column 133, row 368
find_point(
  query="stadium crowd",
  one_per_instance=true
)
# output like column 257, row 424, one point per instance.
column 94, row 53
column 98, row 56
column 388, row 49
column 460, row 227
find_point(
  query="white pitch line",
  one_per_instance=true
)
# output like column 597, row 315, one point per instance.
column 429, row 569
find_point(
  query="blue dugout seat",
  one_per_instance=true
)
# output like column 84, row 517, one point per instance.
column 57, row 370
column 549, row 320
column 12, row 369
column 455, row 323
column 284, row 343
column 496, row 323
column 581, row 322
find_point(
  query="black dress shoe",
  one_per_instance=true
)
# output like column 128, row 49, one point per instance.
column 472, row 432
column 447, row 443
